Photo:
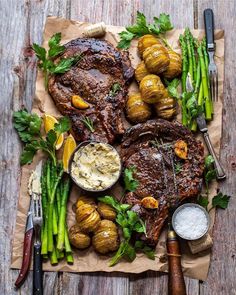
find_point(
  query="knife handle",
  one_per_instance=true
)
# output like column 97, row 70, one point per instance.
column 27, row 252
column 209, row 28
column 220, row 174
column 37, row 271
column 176, row 283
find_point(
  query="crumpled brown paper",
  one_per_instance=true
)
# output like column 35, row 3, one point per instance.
column 194, row 266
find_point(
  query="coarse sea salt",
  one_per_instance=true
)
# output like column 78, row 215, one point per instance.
column 190, row 223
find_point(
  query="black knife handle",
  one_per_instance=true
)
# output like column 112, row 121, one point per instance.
column 37, row 271
column 220, row 174
column 209, row 28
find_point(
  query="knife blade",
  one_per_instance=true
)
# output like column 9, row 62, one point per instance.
column 201, row 122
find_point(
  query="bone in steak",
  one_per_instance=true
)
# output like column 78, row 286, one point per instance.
column 92, row 78
column 150, row 148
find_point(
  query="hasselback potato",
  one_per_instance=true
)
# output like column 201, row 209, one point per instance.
column 85, row 200
column 156, row 58
column 87, row 217
column 137, row 110
column 141, row 71
column 174, row 68
column 77, row 238
column 166, row 106
column 106, row 237
column 106, row 211
column 146, row 41
column 151, row 88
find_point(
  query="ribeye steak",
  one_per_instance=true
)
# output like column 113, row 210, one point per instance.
column 92, row 78
column 159, row 171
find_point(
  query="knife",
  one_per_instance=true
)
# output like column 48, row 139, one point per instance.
column 201, row 122
column 27, row 248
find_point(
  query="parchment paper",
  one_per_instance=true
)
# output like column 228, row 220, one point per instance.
column 194, row 266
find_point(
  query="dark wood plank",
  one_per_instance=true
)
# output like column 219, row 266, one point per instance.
column 221, row 278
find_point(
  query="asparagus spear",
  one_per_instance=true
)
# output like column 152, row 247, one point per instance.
column 204, row 84
column 62, row 216
column 185, row 62
column 188, row 37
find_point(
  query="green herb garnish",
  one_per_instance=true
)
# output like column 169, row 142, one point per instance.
column 130, row 223
column 178, row 168
column 130, row 183
column 114, row 89
column 46, row 58
column 220, row 201
column 28, row 127
column 88, row 123
column 172, row 88
column 141, row 27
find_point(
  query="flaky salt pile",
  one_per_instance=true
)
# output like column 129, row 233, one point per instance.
column 190, row 223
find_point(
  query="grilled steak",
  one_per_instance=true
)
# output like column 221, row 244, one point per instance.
column 93, row 78
column 160, row 173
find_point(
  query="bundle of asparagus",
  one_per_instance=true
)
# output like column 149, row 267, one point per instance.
column 55, row 193
column 195, row 80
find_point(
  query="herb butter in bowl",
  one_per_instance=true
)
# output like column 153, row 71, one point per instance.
column 95, row 166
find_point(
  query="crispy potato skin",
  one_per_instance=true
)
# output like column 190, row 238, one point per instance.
column 136, row 109
column 106, row 238
column 78, row 239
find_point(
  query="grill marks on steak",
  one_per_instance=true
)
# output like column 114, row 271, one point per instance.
column 154, row 170
column 92, row 78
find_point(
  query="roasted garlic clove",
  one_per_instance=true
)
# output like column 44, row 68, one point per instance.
column 79, row 103
column 146, row 41
column 106, row 238
column 137, row 110
column 151, row 89
column 77, row 238
column 141, row 71
column 156, row 59
column 106, row 211
column 174, row 68
column 149, row 203
column 181, row 149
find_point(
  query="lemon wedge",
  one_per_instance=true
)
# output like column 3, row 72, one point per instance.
column 49, row 122
column 69, row 147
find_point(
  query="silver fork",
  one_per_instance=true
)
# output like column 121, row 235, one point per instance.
column 212, row 69
column 37, row 268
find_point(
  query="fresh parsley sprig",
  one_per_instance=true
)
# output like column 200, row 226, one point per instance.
column 131, row 184
column 159, row 26
column 115, row 88
column 130, row 222
column 28, row 127
column 46, row 58
column 220, row 200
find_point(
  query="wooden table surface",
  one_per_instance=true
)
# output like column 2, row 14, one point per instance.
column 21, row 24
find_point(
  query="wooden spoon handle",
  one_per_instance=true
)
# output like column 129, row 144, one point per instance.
column 176, row 284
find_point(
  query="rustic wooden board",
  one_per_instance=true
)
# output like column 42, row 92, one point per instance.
column 21, row 24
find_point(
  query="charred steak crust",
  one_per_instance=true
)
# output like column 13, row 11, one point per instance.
column 92, row 78
column 137, row 149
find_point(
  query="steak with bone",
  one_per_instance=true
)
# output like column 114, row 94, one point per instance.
column 93, row 77
column 149, row 147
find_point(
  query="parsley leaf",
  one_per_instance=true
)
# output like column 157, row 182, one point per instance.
column 130, row 183
column 203, row 201
column 172, row 88
column 220, row 201
column 28, row 127
column 114, row 89
column 208, row 161
column 159, row 26
column 148, row 251
column 130, row 222
column 46, row 59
